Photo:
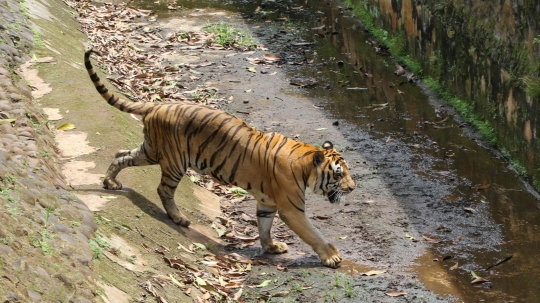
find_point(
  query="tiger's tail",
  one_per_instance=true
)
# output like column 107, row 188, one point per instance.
column 139, row 108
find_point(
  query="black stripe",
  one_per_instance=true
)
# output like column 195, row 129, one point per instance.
column 87, row 63
column 94, row 77
column 295, row 205
column 235, row 168
column 265, row 214
column 283, row 142
column 102, row 89
column 122, row 105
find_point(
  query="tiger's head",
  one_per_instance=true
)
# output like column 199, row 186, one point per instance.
column 333, row 178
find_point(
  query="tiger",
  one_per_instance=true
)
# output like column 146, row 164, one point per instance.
column 273, row 168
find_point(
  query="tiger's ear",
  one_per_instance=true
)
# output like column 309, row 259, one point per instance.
column 328, row 145
column 318, row 158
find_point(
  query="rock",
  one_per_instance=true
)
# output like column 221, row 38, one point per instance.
column 21, row 232
column 6, row 250
column 68, row 239
column 36, row 297
column 42, row 273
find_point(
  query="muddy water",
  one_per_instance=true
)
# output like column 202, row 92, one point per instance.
column 488, row 213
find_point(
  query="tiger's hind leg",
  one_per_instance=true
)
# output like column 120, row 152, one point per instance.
column 123, row 159
column 166, row 190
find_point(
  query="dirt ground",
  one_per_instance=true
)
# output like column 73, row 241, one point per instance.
column 140, row 255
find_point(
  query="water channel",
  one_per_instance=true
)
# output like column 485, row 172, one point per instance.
column 355, row 81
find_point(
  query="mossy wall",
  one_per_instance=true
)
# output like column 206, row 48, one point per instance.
column 485, row 53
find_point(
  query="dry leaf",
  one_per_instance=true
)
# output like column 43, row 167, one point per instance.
column 430, row 240
column 66, row 126
column 237, row 295
column 480, row 187
column 271, row 57
column 455, row 266
column 322, row 217
column 373, row 272
column 469, row 210
column 396, row 293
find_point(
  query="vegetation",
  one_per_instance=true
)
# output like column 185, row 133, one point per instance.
column 396, row 43
column 97, row 245
column 228, row 35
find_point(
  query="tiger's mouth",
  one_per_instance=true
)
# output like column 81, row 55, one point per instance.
column 334, row 196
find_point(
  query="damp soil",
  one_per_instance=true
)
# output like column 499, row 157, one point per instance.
column 422, row 175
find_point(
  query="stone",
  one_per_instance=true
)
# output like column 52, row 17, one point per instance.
column 21, row 232
column 16, row 150
column 36, row 297
column 17, row 112
column 25, row 134
column 62, row 228
column 42, row 273
column 6, row 250
column 68, row 239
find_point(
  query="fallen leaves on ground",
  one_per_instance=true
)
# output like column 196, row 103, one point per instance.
column 480, row 187
column 135, row 54
column 431, row 240
column 477, row 278
column 396, row 293
column 66, row 126
column 373, row 273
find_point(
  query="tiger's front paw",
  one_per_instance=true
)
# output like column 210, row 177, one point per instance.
column 110, row 183
column 329, row 255
column 277, row 248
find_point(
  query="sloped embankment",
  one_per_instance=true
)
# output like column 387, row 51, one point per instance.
column 44, row 229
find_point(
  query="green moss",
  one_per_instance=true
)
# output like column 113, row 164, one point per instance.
column 396, row 42
column 532, row 86
column 465, row 110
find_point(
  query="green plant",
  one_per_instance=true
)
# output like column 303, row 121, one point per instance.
column 339, row 280
column 532, row 86
column 465, row 111
column 330, row 296
column 349, row 290
column 38, row 41
column 131, row 259
column 238, row 192
column 227, row 35
column 45, row 154
column 48, row 212
column 10, row 178
column 4, row 192
column 4, row 241
column 97, row 245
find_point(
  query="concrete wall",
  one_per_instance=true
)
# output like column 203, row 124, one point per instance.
column 483, row 52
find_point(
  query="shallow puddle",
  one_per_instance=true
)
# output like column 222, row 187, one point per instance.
column 352, row 268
